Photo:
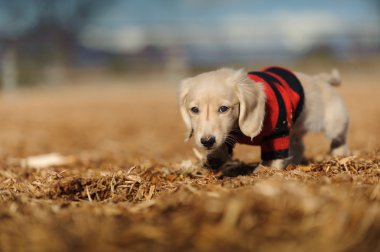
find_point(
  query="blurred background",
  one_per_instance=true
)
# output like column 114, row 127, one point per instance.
column 94, row 81
column 51, row 42
column 100, row 76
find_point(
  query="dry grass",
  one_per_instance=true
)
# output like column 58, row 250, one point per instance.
column 135, row 185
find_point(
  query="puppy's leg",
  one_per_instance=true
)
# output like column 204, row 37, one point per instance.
column 277, row 164
column 219, row 156
column 297, row 148
column 339, row 146
column 335, row 128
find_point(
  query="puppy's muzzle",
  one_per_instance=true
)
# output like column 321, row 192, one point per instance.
column 208, row 141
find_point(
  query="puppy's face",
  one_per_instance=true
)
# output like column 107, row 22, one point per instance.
column 213, row 108
column 214, row 103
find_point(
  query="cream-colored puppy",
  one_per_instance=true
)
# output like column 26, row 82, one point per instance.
column 217, row 106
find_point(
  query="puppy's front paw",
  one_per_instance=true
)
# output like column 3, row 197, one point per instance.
column 277, row 164
column 213, row 162
column 217, row 158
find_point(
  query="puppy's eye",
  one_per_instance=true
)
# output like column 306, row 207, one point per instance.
column 195, row 110
column 223, row 109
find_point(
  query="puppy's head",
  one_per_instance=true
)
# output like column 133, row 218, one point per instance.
column 212, row 104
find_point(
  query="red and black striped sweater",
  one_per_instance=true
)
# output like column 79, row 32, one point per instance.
column 284, row 103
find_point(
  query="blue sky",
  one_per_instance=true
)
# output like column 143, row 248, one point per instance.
column 237, row 24
column 167, row 11
column 229, row 25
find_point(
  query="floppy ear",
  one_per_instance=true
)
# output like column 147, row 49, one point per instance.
column 182, row 96
column 252, row 103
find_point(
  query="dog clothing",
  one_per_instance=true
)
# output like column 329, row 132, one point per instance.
column 284, row 103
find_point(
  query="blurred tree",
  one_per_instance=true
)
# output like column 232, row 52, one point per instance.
column 44, row 32
column 9, row 70
column 376, row 5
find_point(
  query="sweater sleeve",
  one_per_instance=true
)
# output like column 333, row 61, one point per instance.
column 275, row 148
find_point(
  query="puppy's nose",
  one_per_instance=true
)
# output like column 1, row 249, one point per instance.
column 208, row 141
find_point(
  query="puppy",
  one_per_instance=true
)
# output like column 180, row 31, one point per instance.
column 273, row 108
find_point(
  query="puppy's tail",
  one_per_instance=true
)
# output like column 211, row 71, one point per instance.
column 333, row 78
